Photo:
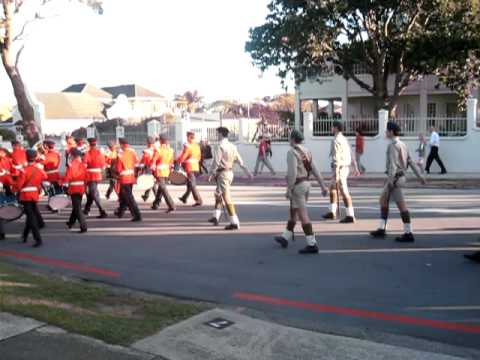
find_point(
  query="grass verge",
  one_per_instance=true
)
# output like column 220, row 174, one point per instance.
column 116, row 317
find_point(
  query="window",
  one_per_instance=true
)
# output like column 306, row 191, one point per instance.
column 432, row 110
column 452, row 110
column 408, row 110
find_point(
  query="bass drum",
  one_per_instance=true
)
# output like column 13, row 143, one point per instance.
column 10, row 209
column 145, row 182
column 178, row 177
column 58, row 200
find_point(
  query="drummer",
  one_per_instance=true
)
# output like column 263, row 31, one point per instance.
column 146, row 164
column 75, row 179
column 190, row 160
column 5, row 182
column 51, row 163
column 161, row 166
column 28, row 185
column 94, row 160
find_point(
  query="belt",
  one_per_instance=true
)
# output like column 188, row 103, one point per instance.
column 127, row 172
column 49, row 172
column 3, row 172
column 95, row 170
column 18, row 167
column 77, row 183
column 222, row 170
column 163, row 166
column 192, row 161
column 300, row 180
column 29, row 189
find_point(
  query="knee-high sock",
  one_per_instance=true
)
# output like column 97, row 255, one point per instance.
column 233, row 215
column 309, row 235
column 383, row 217
column 288, row 232
column 407, row 226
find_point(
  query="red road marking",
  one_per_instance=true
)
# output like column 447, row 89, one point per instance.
column 437, row 324
column 59, row 263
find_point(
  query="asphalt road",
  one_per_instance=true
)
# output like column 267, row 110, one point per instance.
column 356, row 286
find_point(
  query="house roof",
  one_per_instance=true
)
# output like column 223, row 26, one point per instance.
column 131, row 91
column 89, row 89
column 70, row 105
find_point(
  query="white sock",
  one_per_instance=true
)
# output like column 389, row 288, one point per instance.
column 311, row 240
column 407, row 228
column 234, row 220
column 217, row 213
column 383, row 224
column 333, row 208
column 350, row 212
column 287, row 235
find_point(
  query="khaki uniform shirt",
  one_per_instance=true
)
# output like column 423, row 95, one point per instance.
column 340, row 152
column 398, row 160
column 296, row 168
column 225, row 155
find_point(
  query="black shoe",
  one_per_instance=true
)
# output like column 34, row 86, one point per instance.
column 144, row 198
column 309, row 250
column 119, row 213
column 69, row 225
column 136, row 219
column 86, row 212
column 232, row 227
column 168, row 211
column 348, row 220
column 182, row 200
column 282, row 241
column 407, row 237
column 379, row 233
column 42, row 226
column 81, row 231
column 2, row 236
column 24, row 239
column 213, row 221
column 329, row 216
column 443, row 172
column 37, row 244
column 473, row 257
column 103, row 215
column 197, row 204
column 154, row 207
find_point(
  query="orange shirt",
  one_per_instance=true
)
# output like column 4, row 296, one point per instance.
column 76, row 177
column 359, row 144
column 95, row 162
column 110, row 155
column 190, row 157
column 5, row 171
column 19, row 158
column 125, row 165
column 147, row 156
column 51, row 164
column 29, row 182
column 163, row 161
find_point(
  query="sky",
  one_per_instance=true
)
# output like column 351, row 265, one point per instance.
column 168, row 46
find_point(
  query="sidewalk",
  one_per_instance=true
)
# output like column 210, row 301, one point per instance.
column 244, row 338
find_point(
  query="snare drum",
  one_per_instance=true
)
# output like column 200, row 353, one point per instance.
column 58, row 200
column 10, row 209
column 145, row 182
column 178, row 177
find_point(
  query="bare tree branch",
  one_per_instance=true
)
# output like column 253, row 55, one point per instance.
column 17, row 57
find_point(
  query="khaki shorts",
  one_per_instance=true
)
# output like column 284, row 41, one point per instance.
column 395, row 194
column 342, row 178
column 299, row 196
column 224, row 180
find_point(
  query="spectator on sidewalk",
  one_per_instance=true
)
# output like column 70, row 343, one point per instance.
column 262, row 157
column 359, row 149
column 268, row 153
column 421, row 152
column 434, row 146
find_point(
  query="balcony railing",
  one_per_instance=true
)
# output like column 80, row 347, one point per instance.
column 368, row 126
column 446, row 126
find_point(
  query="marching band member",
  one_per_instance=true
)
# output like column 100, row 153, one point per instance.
column 342, row 159
column 190, row 160
column 300, row 166
column 75, row 179
column 19, row 157
column 398, row 161
column 6, row 182
column 161, row 166
column 224, row 157
column 81, row 145
column 125, row 168
column 94, row 160
column 110, row 157
column 146, row 164
column 28, row 184
column 51, row 163
column 71, row 144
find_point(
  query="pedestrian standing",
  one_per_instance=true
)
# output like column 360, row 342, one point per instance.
column 434, row 147
column 94, row 160
column 398, row 161
column 421, row 152
column 75, row 178
column 300, row 167
column 28, row 184
column 262, row 157
column 341, row 161
column 225, row 156
column 359, row 149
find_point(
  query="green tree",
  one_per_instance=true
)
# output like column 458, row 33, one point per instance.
column 16, row 16
column 394, row 42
